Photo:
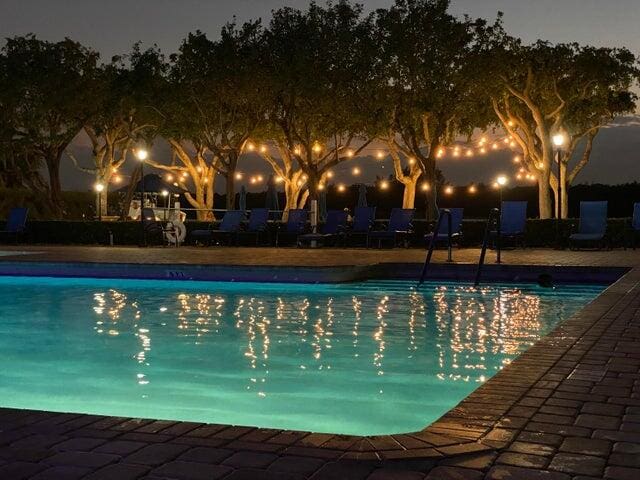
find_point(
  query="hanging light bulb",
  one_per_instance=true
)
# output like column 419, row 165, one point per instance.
column 495, row 146
column 483, row 150
column 329, row 174
column 238, row 175
column 297, row 151
column 317, row 148
column 320, row 187
column 169, row 178
column 341, row 188
column 263, row 149
column 425, row 186
column 355, row 171
column 384, row 185
column 412, row 160
column 517, row 159
column 472, row 189
column 250, row 146
column 349, row 153
column 448, row 190
column 469, row 153
column 380, row 155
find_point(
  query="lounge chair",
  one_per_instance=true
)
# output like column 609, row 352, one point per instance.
column 592, row 228
column 295, row 226
column 258, row 223
column 513, row 223
column 334, row 227
column 634, row 229
column 16, row 223
column 442, row 235
column 228, row 229
column 363, row 220
column 399, row 228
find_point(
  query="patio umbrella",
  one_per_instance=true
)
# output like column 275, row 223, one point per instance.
column 271, row 201
column 153, row 184
column 362, row 195
column 322, row 206
column 242, row 201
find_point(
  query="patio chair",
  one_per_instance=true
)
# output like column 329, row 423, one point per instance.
column 333, row 228
column 592, row 228
column 634, row 230
column 228, row 229
column 399, row 228
column 295, row 226
column 443, row 233
column 258, row 223
column 513, row 223
column 16, row 224
column 363, row 220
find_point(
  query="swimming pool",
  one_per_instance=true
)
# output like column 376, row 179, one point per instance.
column 376, row 357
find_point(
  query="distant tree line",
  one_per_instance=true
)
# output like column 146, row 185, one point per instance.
column 307, row 91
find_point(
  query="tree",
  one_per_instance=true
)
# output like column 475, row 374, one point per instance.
column 546, row 89
column 52, row 81
column 121, row 115
column 318, row 70
column 426, row 87
column 285, row 166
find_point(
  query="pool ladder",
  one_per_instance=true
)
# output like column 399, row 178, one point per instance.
column 494, row 216
column 445, row 212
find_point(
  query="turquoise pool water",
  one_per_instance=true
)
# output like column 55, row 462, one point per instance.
column 367, row 358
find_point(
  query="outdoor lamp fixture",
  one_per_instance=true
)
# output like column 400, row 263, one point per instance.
column 99, row 188
column 142, row 155
column 501, row 181
column 559, row 140
column 165, row 194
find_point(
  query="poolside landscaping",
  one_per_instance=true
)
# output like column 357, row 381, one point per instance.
column 565, row 409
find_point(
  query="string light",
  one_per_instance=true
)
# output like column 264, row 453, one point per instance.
column 329, row 174
column 169, row 178
column 380, row 155
column 483, row 150
column 469, row 153
column 251, row 147
column 495, row 146
column 238, row 175
column 412, row 160
column 117, row 179
column 297, row 151
column 320, row 186
column 263, row 149
column 425, row 186
column 260, row 178
column 517, row 159
column 341, row 188
column 384, row 185
column 355, row 171
column 317, row 148
column 472, row 189
column 278, row 179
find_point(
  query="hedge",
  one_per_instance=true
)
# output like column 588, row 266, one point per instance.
column 539, row 233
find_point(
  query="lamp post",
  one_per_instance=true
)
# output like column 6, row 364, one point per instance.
column 501, row 181
column 99, row 188
column 142, row 154
column 165, row 194
column 558, row 141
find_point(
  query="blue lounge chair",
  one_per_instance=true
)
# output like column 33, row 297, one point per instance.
column 296, row 224
column 443, row 233
column 258, row 224
column 333, row 227
column 228, row 229
column 592, row 228
column 16, row 223
column 634, row 231
column 513, row 223
column 363, row 220
column 399, row 227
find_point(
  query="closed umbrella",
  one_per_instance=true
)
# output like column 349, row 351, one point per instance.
column 271, row 201
column 362, row 195
column 242, row 200
column 322, row 206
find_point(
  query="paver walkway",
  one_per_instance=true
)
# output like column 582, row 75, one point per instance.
column 567, row 409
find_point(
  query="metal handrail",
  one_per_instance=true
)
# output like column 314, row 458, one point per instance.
column 443, row 213
column 494, row 214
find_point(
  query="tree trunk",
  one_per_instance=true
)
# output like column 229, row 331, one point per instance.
column 544, row 195
column 230, row 190
column 409, row 195
column 55, row 189
column 564, row 198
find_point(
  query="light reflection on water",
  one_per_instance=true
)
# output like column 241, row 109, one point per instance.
column 376, row 357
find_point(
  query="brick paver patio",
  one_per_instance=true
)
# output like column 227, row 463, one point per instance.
column 567, row 409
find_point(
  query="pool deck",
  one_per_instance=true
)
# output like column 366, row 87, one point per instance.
column 567, row 409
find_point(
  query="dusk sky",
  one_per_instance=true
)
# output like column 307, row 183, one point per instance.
column 112, row 26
